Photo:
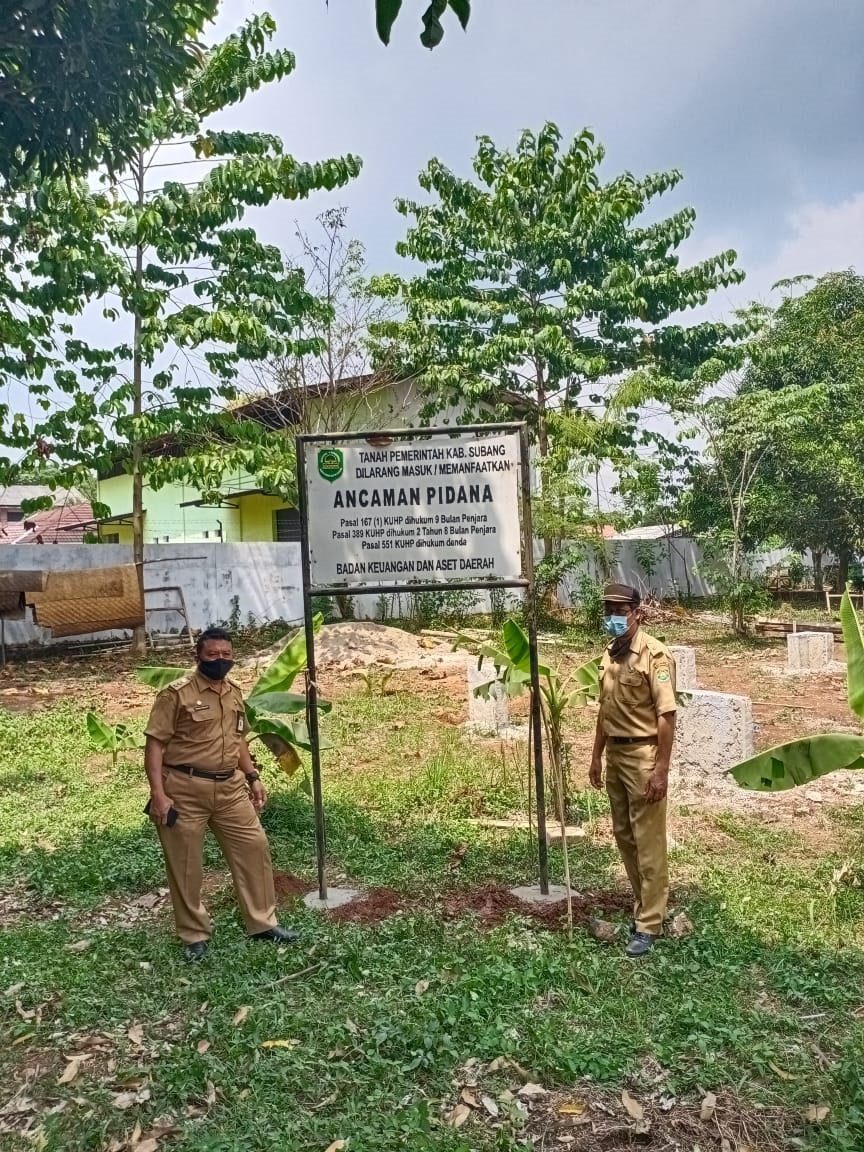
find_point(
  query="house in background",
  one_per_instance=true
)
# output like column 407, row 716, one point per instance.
column 176, row 513
column 65, row 523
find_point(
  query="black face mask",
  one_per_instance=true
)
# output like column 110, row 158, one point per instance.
column 215, row 669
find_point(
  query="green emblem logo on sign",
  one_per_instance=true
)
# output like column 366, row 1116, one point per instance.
column 330, row 464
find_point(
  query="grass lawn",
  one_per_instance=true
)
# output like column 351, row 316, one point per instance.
column 418, row 1029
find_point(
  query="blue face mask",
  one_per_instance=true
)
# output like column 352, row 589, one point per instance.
column 615, row 625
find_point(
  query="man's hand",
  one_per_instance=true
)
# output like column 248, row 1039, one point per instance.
column 259, row 794
column 160, row 806
column 657, row 786
column 595, row 772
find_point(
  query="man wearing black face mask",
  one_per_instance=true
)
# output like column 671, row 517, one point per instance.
column 201, row 775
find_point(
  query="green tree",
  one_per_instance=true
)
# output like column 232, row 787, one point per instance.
column 195, row 294
column 541, row 280
column 812, row 485
column 79, row 77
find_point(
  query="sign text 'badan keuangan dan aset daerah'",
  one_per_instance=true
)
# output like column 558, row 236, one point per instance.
column 433, row 509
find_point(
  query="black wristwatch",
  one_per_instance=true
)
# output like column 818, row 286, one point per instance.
column 253, row 777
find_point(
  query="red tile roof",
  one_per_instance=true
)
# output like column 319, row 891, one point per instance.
column 61, row 525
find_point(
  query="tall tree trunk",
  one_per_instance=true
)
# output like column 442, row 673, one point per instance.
column 139, row 638
column 844, row 557
column 817, row 572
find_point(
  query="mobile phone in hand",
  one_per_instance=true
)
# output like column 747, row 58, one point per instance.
column 172, row 814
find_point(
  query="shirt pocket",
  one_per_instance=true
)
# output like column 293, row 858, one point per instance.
column 632, row 688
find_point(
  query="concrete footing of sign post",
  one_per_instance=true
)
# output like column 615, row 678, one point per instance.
column 531, row 894
column 685, row 667
column 336, row 898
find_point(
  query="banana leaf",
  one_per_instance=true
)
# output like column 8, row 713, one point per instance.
column 285, row 703
column 102, row 736
column 288, row 663
column 854, row 643
column 799, row 762
column 587, row 676
column 160, row 678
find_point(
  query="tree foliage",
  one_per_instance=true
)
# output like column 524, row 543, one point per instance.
column 386, row 12
column 79, row 77
column 541, row 281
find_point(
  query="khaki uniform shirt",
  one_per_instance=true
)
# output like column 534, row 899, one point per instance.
column 201, row 723
column 637, row 687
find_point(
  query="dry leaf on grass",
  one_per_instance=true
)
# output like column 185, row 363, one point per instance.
column 532, row 1091
column 633, row 1108
column 79, row 946
column 709, row 1106
column 817, row 1113
column 468, row 1097
column 458, row 1116
column 337, row 1146
column 779, row 1072
column 352, row 1027
column 136, row 1034
column 202, row 1046
column 124, row 1100
column 280, row 1044
column 490, row 1106
column 151, row 1144
column 572, row 1108
column 420, row 987
column 240, row 1015
column 71, row 1070
column 210, row 1098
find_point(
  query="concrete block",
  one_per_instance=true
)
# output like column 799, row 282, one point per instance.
column 685, row 667
column 809, row 651
column 336, row 898
column 712, row 732
column 490, row 715
column 531, row 894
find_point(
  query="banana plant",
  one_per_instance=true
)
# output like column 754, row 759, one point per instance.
column 802, row 761
column 274, row 714
column 113, row 738
column 512, row 665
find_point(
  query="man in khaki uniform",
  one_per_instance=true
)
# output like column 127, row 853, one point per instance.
column 201, row 775
column 636, row 728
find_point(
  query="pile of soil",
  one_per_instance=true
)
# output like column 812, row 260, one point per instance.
column 361, row 643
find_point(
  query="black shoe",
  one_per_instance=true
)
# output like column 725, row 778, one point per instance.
column 278, row 935
column 640, row 944
column 197, row 951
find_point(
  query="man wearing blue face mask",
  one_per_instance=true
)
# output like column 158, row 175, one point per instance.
column 636, row 729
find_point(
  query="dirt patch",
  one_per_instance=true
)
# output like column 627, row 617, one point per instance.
column 490, row 904
column 290, row 888
column 375, row 905
column 28, row 699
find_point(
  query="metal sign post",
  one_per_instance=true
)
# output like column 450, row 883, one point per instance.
column 416, row 518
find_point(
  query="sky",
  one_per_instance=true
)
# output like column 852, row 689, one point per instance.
column 758, row 102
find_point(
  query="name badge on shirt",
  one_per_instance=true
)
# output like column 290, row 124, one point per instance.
column 241, row 722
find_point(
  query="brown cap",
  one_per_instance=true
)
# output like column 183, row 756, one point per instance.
column 620, row 594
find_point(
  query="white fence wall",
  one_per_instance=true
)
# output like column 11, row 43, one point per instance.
column 265, row 578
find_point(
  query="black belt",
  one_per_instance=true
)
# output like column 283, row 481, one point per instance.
column 632, row 739
column 188, row 770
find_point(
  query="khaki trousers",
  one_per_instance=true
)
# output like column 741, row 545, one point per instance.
column 640, row 831
column 223, row 806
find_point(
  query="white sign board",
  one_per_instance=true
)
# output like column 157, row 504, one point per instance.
column 405, row 511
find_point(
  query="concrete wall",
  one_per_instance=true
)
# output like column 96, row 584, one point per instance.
column 264, row 576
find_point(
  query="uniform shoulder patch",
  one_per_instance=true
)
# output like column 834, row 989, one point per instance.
column 663, row 675
column 176, row 685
